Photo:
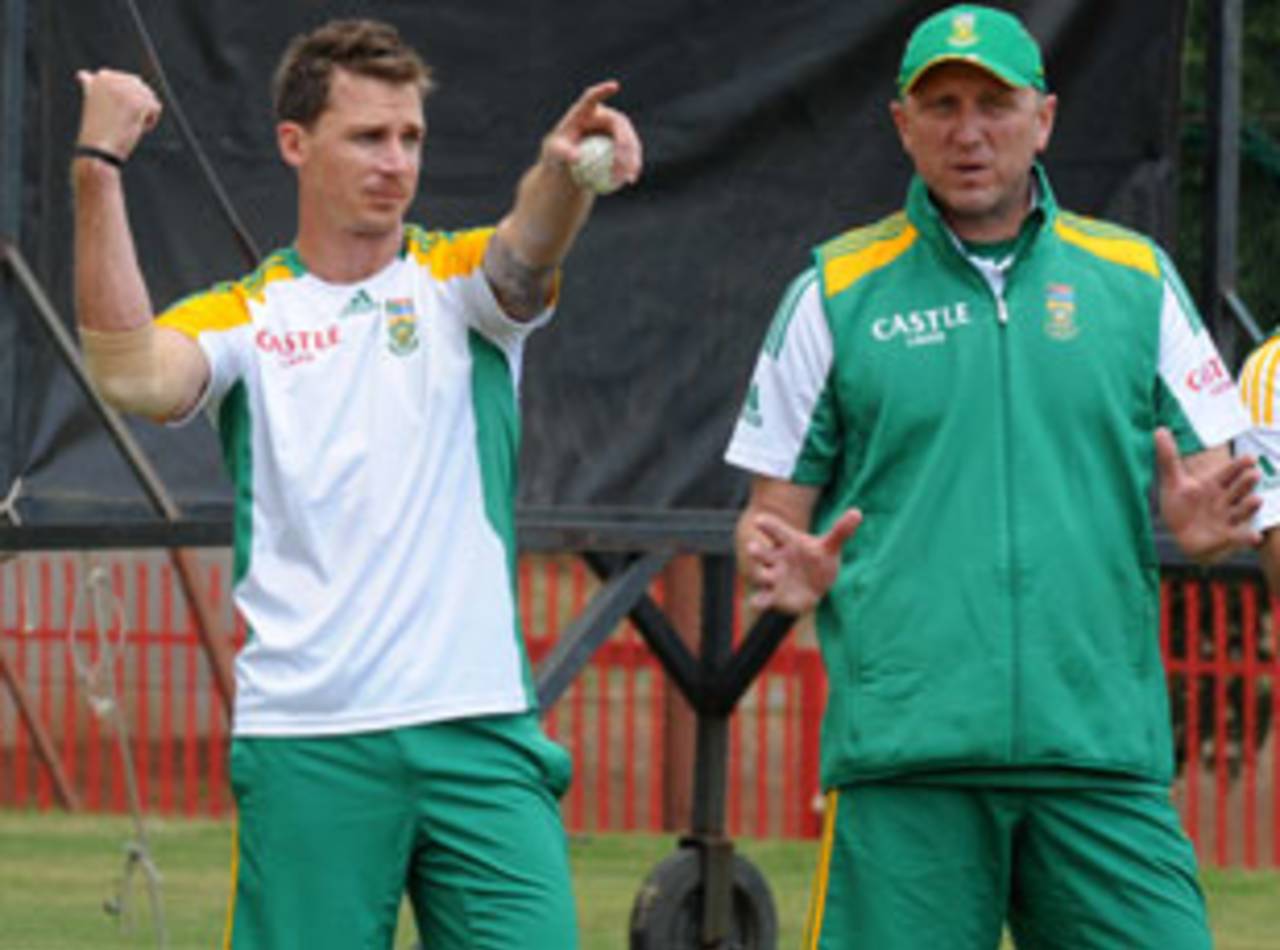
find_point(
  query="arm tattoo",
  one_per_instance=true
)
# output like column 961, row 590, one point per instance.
column 522, row 290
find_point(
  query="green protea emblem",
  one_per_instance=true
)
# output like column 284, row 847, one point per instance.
column 402, row 326
column 1060, row 304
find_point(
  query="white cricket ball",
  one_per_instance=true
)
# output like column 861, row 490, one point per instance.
column 593, row 167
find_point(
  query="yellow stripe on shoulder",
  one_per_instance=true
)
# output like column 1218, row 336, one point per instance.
column 850, row 257
column 282, row 265
column 226, row 305
column 1258, row 382
column 221, row 308
column 448, row 254
column 1108, row 242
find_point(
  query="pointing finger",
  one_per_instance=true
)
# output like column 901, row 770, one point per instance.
column 843, row 529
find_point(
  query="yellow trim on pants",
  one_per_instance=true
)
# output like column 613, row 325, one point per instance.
column 231, row 894
column 822, row 877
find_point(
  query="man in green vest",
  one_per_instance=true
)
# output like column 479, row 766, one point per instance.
column 984, row 387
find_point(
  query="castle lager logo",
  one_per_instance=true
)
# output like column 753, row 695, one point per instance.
column 1210, row 376
column 291, row 347
column 922, row 327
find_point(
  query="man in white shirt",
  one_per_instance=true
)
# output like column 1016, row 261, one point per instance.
column 364, row 383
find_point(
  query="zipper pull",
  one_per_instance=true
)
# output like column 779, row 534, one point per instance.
column 1002, row 311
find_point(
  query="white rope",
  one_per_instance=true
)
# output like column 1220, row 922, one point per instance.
column 24, row 594
column 9, row 511
column 22, row 578
column 106, row 614
column 9, row 507
column 95, row 676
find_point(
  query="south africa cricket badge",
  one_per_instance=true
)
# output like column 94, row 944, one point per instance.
column 1060, row 317
column 402, row 326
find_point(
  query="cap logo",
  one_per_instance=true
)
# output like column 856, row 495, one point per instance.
column 962, row 31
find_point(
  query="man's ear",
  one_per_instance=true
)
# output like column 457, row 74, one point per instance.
column 291, row 139
column 1047, row 110
column 897, row 112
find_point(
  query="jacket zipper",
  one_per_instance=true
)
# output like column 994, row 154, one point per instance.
column 1006, row 424
column 1006, row 411
column 1008, row 539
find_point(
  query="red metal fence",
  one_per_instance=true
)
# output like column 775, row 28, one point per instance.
column 1217, row 636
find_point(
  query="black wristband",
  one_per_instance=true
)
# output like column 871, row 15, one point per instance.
column 101, row 154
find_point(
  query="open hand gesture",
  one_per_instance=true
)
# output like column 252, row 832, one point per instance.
column 1207, row 506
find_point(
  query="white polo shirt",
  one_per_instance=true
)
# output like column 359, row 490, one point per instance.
column 372, row 433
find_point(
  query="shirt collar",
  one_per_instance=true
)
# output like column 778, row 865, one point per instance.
column 1043, row 208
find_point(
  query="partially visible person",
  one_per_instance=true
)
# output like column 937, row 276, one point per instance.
column 364, row 382
column 954, row 426
column 1259, row 390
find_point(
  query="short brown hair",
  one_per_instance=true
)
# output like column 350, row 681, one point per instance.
column 300, row 89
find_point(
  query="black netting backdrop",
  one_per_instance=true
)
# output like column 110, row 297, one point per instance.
column 766, row 130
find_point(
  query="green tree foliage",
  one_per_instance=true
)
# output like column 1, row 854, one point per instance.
column 1259, row 208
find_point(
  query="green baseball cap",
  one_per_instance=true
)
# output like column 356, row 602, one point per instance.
column 992, row 40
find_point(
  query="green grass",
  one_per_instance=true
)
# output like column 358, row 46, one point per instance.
column 57, row 870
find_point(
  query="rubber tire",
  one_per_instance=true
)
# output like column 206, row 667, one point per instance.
column 667, row 912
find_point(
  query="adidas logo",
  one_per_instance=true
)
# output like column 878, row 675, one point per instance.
column 359, row 303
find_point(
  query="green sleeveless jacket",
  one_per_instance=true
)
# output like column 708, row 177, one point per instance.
column 997, row 609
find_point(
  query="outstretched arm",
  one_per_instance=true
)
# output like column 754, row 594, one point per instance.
column 137, row 367
column 788, row 568
column 550, row 207
column 1207, row 499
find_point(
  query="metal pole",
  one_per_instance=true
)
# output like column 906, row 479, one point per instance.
column 711, row 767
column 580, row 640
column 217, row 644
column 12, row 94
column 1222, row 175
column 45, row 748
column 13, row 62
column 710, row 773
column 244, row 240
column 683, row 582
